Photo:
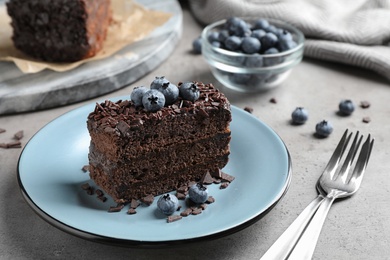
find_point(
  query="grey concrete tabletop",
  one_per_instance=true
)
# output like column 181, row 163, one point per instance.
column 356, row 228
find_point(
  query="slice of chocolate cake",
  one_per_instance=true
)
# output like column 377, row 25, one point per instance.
column 61, row 30
column 135, row 152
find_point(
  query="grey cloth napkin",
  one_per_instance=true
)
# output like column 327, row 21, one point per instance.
column 354, row 32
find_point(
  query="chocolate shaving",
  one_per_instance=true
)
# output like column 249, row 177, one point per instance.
column 196, row 211
column 207, row 179
column 99, row 192
column 227, row 177
column 131, row 211
column 173, row 218
column 85, row 186
column 181, row 196
column 102, row 198
column 366, row 119
column 15, row 144
column 365, row 104
column 210, row 200
column 116, row 208
column 85, row 168
column 18, row 135
column 248, row 109
column 186, row 212
column 2, row 130
column 148, row 200
column 224, row 185
column 134, row 203
column 273, row 100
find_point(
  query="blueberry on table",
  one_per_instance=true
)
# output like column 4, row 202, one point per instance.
column 250, row 45
column 197, row 45
column 158, row 82
column 189, row 91
column 168, row 204
column 198, row 193
column 170, row 92
column 324, row 128
column 137, row 94
column 346, row 107
column 299, row 116
column 153, row 100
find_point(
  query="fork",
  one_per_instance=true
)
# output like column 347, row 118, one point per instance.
column 332, row 184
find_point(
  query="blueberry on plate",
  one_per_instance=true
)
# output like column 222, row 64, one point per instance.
column 189, row 91
column 153, row 100
column 198, row 193
column 168, row 204
column 250, row 45
column 158, row 82
column 346, row 107
column 324, row 128
column 137, row 94
column 170, row 92
column 197, row 45
column 299, row 116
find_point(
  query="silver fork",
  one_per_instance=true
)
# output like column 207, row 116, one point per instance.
column 332, row 184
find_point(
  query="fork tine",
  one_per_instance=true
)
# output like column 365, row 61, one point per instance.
column 337, row 154
column 362, row 161
column 343, row 172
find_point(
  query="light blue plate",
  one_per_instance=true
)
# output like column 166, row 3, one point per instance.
column 50, row 178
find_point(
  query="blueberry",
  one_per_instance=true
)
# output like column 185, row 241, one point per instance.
column 324, row 128
column 261, row 24
column 233, row 43
column 216, row 44
column 346, row 107
column 137, row 94
column 285, row 45
column 271, row 51
column 153, row 100
column 271, row 61
column 223, row 34
column 254, row 61
column 272, row 29
column 269, row 40
column 198, row 193
column 240, row 78
column 170, row 92
column 284, row 34
column 158, row 82
column 168, row 204
column 213, row 36
column 189, row 91
column 250, row 45
column 299, row 116
column 197, row 45
column 258, row 33
column 238, row 27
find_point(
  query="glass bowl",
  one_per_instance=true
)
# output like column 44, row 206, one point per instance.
column 236, row 71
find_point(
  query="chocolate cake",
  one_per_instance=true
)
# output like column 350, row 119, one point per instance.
column 134, row 152
column 61, row 30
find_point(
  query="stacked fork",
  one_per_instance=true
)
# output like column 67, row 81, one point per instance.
column 300, row 238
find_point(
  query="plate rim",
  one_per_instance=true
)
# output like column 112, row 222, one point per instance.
column 155, row 244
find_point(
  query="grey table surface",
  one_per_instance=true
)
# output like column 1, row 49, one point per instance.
column 356, row 228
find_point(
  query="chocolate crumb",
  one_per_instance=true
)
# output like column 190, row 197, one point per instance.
column 116, row 208
column 178, row 208
column 210, row 200
column 182, row 189
column 85, row 168
column 90, row 191
column 85, row 186
column 102, row 198
column 131, row 211
column 248, row 109
column 217, row 173
column 134, row 203
column 366, row 119
column 3, row 145
column 186, row 212
column 15, row 144
column 273, row 100
column 203, row 206
column 180, row 196
column 217, row 181
column 18, row 135
column 224, row 185
column 365, row 104
column 227, row 177
column 173, row 218
column 2, row 130
column 99, row 192
column 148, row 200
column 196, row 211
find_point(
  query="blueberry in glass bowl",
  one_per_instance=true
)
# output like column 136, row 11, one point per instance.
column 251, row 54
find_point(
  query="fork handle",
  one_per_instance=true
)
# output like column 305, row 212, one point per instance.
column 286, row 242
column 304, row 249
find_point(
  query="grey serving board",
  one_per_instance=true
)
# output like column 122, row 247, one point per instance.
column 47, row 89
